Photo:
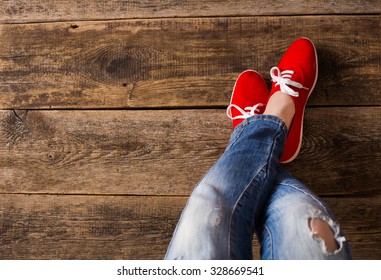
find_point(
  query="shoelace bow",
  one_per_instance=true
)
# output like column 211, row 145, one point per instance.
column 283, row 79
column 252, row 111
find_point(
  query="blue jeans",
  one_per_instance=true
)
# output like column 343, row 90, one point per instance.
column 247, row 191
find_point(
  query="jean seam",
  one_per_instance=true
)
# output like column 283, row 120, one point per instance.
column 251, row 181
column 265, row 118
column 310, row 195
column 236, row 137
column 271, row 242
column 272, row 153
column 236, row 204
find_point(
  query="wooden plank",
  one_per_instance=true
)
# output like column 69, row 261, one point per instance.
column 180, row 62
column 166, row 152
column 335, row 141
column 123, row 227
column 64, row 10
column 85, row 227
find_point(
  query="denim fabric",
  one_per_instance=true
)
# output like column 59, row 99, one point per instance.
column 285, row 231
column 227, row 205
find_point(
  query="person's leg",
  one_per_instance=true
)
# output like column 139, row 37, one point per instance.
column 225, row 207
column 298, row 225
column 219, row 218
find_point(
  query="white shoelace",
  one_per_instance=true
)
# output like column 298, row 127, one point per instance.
column 252, row 111
column 283, row 79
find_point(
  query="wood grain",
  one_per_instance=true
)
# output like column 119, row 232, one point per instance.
column 111, row 184
column 175, row 63
column 335, row 141
column 123, row 227
column 166, row 152
column 86, row 227
column 64, row 10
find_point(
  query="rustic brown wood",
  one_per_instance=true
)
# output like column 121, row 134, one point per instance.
column 86, row 227
column 180, row 62
column 166, row 152
column 63, row 10
column 134, row 152
column 123, row 227
column 111, row 184
column 339, row 145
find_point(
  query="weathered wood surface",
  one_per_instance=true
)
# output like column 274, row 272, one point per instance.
column 123, row 227
column 166, row 152
column 110, row 184
column 190, row 62
column 64, row 10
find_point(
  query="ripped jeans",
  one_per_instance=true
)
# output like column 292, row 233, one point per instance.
column 247, row 191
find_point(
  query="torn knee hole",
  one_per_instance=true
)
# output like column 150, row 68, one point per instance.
column 321, row 229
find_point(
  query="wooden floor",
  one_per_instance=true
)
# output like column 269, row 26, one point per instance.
column 111, row 111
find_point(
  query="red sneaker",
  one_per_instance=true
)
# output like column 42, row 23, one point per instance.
column 250, row 94
column 296, row 76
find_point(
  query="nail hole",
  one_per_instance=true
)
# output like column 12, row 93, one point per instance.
column 124, row 84
column 74, row 26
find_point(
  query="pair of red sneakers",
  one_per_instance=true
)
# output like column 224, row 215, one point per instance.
column 295, row 75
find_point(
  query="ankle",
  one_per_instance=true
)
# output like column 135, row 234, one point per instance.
column 282, row 106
